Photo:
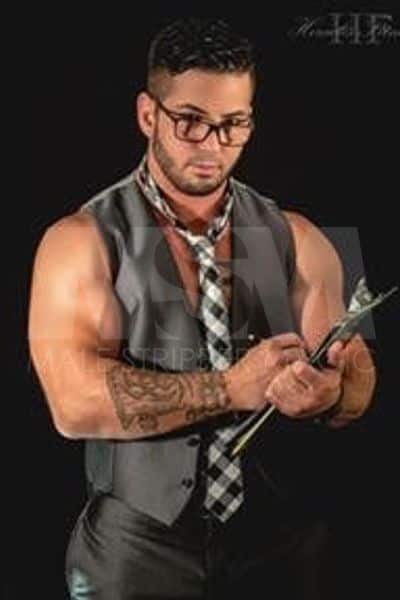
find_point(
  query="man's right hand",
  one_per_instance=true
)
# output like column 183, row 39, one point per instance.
column 247, row 380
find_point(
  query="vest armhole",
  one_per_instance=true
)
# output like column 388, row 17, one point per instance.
column 109, row 242
column 291, row 250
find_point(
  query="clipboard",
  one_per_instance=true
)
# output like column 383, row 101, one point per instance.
column 361, row 304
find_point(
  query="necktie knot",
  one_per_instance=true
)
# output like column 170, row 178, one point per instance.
column 204, row 250
column 155, row 196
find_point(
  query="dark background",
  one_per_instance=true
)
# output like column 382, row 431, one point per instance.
column 326, row 145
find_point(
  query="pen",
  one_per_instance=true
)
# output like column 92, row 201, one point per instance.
column 362, row 302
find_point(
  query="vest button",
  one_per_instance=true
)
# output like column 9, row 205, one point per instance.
column 194, row 441
column 187, row 482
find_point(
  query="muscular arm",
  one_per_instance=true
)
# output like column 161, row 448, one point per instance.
column 317, row 298
column 74, row 334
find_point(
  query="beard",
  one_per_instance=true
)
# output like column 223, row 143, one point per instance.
column 190, row 185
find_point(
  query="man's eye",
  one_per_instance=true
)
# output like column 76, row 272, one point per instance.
column 191, row 118
column 237, row 123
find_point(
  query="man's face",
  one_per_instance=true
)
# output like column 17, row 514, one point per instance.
column 199, row 168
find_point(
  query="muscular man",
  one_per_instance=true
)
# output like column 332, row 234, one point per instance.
column 142, row 305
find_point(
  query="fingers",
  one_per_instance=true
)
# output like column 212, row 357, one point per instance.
column 305, row 373
column 336, row 355
column 280, row 351
column 287, row 393
column 313, row 379
column 301, row 391
column 284, row 387
column 291, row 355
column 287, row 347
column 285, row 340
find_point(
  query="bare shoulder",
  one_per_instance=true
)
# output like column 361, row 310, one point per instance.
column 315, row 253
column 317, row 291
column 302, row 227
column 71, row 295
column 74, row 241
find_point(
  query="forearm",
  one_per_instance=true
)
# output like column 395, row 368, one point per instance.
column 123, row 402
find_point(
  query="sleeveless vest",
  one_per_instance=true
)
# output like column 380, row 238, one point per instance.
column 155, row 475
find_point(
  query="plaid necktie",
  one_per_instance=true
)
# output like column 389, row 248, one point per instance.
column 224, row 483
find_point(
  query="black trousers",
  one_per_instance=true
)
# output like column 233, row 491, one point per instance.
column 118, row 553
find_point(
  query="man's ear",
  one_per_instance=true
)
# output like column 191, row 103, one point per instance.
column 145, row 107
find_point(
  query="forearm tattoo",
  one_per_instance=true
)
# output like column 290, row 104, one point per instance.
column 213, row 395
column 142, row 398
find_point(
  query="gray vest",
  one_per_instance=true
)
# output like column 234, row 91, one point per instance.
column 160, row 331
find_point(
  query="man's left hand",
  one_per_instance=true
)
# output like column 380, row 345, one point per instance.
column 301, row 391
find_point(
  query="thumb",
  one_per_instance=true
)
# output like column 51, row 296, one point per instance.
column 335, row 355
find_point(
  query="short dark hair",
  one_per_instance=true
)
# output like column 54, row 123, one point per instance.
column 202, row 43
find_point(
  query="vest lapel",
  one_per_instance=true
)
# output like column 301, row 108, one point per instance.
column 167, row 327
column 260, row 303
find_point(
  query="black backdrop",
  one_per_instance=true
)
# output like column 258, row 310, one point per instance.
column 326, row 145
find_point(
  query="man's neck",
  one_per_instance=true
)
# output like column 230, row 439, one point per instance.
column 196, row 212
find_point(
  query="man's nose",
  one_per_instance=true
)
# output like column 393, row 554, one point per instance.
column 211, row 142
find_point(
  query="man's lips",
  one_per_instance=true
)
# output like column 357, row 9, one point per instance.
column 205, row 166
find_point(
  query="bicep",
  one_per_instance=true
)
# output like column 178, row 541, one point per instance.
column 317, row 291
column 73, row 312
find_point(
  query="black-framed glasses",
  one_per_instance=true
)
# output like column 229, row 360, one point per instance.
column 191, row 127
